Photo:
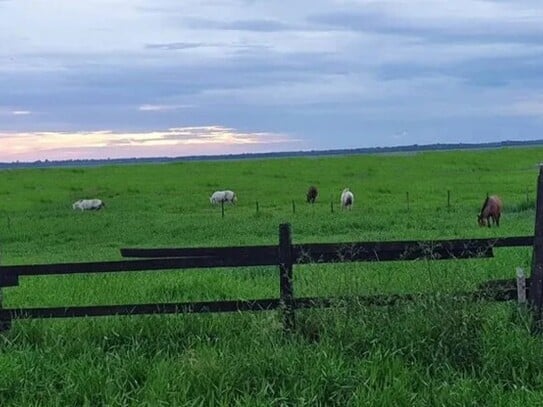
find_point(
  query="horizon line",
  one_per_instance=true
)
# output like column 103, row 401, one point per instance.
column 284, row 154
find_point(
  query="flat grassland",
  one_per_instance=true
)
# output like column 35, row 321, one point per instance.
column 437, row 352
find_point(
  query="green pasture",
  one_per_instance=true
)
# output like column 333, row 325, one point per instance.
column 437, row 352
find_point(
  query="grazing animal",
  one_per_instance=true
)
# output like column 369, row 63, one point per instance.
column 88, row 204
column 347, row 199
column 312, row 194
column 492, row 209
column 223, row 196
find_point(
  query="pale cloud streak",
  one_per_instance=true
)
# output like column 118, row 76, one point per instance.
column 162, row 108
column 179, row 141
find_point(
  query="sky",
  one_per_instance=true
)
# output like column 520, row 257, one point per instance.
column 135, row 78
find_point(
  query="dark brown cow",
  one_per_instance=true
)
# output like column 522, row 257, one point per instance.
column 492, row 209
column 312, row 194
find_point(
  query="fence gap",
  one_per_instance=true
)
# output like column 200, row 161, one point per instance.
column 285, row 277
column 536, row 281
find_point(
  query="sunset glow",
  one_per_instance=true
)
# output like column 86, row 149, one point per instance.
column 179, row 141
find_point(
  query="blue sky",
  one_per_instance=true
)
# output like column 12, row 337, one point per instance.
column 123, row 78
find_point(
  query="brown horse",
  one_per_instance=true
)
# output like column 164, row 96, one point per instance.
column 492, row 209
column 312, row 194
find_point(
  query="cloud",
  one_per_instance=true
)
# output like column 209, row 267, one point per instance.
column 256, row 25
column 174, row 45
column 529, row 107
column 441, row 22
column 162, row 108
column 358, row 70
column 178, row 141
column 14, row 112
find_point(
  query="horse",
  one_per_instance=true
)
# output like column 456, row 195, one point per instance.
column 312, row 194
column 492, row 208
column 347, row 199
column 88, row 204
column 223, row 196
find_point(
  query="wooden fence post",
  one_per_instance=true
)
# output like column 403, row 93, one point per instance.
column 536, row 281
column 285, row 276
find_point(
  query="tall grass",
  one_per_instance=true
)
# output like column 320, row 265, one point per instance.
column 439, row 351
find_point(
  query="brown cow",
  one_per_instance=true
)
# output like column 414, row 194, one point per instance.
column 492, row 209
column 312, row 194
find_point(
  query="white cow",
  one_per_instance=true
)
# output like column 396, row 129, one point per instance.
column 347, row 199
column 230, row 196
column 223, row 196
column 88, row 204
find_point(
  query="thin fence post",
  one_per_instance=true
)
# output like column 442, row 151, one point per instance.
column 222, row 209
column 293, row 207
column 521, row 286
column 332, row 206
column 256, row 206
column 285, row 276
column 536, row 280
column 449, row 199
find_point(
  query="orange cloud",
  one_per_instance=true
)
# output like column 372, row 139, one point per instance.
column 179, row 141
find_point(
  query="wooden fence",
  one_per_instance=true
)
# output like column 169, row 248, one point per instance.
column 285, row 255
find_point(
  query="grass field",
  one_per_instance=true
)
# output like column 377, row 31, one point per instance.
column 437, row 352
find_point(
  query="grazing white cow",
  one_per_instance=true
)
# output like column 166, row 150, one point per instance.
column 347, row 199
column 88, row 204
column 223, row 196
column 230, row 196
column 217, row 197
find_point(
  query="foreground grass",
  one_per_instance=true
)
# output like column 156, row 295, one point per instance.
column 431, row 353
column 437, row 352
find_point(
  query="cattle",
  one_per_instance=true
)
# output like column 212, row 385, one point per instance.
column 492, row 209
column 347, row 199
column 312, row 194
column 88, row 204
column 223, row 196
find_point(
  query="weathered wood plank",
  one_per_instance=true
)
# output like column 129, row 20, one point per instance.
column 536, row 285
column 268, row 253
column 416, row 253
column 131, row 265
column 447, row 244
column 242, row 305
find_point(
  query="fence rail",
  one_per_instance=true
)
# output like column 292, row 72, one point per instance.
column 285, row 255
